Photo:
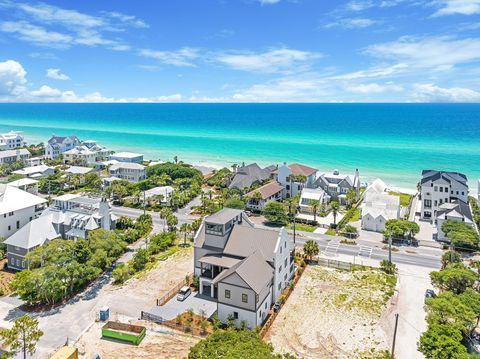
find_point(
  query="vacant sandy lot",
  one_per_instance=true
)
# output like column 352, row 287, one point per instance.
column 160, row 342
column 333, row 314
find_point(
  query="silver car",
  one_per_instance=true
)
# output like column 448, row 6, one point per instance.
column 183, row 293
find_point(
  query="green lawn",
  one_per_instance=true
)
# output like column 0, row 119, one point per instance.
column 356, row 215
column 303, row 227
column 404, row 198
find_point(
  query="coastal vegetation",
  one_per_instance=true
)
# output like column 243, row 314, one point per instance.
column 454, row 314
column 276, row 213
column 401, row 229
column 461, row 236
column 21, row 338
column 59, row 269
column 234, row 344
column 404, row 198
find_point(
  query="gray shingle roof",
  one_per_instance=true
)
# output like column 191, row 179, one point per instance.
column 250, row 174
column 254, row 270
column 245, row 240
column 433, row 175
column 34, row 233
column 223, row 216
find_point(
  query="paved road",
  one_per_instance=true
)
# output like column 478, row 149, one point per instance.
column 430, row 259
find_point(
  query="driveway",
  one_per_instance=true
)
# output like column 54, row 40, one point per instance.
column 200, row 304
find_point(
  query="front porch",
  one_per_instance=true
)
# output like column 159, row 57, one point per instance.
column 211, row 266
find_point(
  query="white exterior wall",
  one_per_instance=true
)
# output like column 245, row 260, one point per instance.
column 23, row 216
column 282, row 253
column 224, row 311
column 431, row 192
column 370, row 223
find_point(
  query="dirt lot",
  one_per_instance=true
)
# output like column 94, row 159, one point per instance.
column 333, row 314
column 160, row 342
column 5, row 278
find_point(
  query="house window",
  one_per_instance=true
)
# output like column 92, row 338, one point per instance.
column 227, row 294
column 279, row 269
column 245, row 298
column 18, row 224
column 435, row 188
column 441, row 189
column 265, row 305
column 279, row 286
column 285, row 277
column 288, row 187
column 463, row 193
column 235, row 315
column 9, row 228
column 285, row 262
column 446, row 189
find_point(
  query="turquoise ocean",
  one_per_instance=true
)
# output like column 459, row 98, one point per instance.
column 391, row 141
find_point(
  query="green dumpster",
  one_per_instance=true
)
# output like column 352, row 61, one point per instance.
column 126, row 332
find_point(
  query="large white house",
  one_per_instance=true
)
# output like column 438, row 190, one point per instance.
column 11, row 156
column 69, row 217
column 439, row 187
column 377, row 209
column 308, row 196
column 127, row 157
column 57, row 145
column 244, row 267
column 288, row 177
column 11, row 140
column 86, row 155
column 453, row 211
column 35, row 171
column 129, row 171
column 17, row 208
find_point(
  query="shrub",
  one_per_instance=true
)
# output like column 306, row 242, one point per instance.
column 388, row 267
column 121, row 273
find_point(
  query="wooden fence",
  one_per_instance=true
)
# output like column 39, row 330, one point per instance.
column 172, row 292
column 168, row 323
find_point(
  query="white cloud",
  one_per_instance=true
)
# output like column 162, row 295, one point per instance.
column 287, row 89
column 12, row 78
column 374, row 88
column 56, row 74
column 452, row 7
column 351, row 23
column 434, row 93
column 378, row 71
column 36, row 34
column 434, row 53
column 281, row 60
column 46, row 92
column 71, row 27
column 358, row 5
column 183, row 57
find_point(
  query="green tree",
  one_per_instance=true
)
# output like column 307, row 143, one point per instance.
column 185, row 228
column 450, row 257
column 315, row 204
column 455, row 277
column 23, row 336
column 351, row 197
column 275, row 212
column 233, row 344
column 234, row 202
column 460, row 234
column 335, row 206
column 140, row 259
column 442, row 341
column 311, row 248
column 172, row 222
column 448, row 308
column 121, row 273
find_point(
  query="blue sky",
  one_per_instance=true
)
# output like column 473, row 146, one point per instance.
column 240, row 51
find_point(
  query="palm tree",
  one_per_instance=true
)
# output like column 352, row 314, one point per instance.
column 314, row 203
column 185, row 228
column 311, row 248
column 335, row 206
column 164, row 213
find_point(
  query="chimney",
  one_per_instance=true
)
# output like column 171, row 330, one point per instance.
column 104, row 211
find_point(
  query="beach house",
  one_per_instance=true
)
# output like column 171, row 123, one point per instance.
column 439, row 187
column 308, row 198
column 87, row 153
column 337, row 184
column 454, row 211
column 377, row 186
column 244, row 267
column 127, row 157
column 258, row 198
column 162, row 193
column 295, row 177
column 246, row 176
column 11, row 140
column 377, row 209
column 17, row 208
column 70, row 217
column 35, row 171
column 11, row 156
column 129, row 171
column 57, row 145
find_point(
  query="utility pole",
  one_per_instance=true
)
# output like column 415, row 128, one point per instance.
column 390, row 247
column 394, row 335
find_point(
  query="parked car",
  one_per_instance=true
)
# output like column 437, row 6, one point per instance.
column 429, row 293
column 183, row 293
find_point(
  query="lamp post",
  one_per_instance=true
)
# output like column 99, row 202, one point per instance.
column 390, row 246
